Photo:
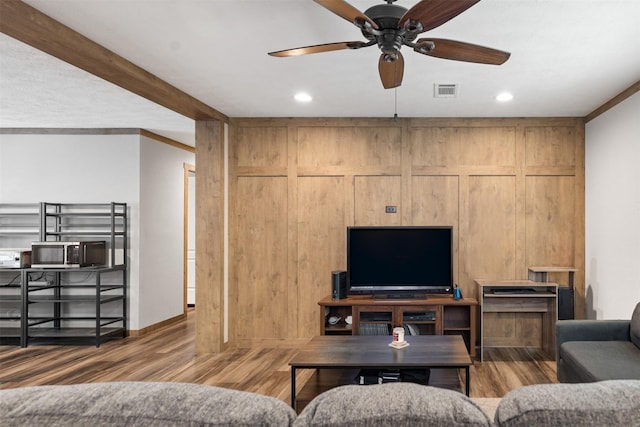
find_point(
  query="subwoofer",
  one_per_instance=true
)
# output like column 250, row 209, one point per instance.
column 565, row 303
column 338, row 284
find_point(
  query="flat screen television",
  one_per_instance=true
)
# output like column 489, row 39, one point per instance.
column 400, row 262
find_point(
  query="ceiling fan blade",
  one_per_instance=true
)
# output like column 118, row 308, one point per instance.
column 391, row 72
column 461, row 51
column 327, row 47
column 346, row 11
column 433, row 13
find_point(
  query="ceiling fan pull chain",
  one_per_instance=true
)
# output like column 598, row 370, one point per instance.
column 395, row 111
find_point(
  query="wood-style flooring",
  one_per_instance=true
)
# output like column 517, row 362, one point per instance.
column 168, row 354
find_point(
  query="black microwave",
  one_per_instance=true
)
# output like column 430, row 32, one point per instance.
column 68, row 254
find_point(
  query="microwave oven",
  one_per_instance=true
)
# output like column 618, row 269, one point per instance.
column 68, row 254
column 15, row 258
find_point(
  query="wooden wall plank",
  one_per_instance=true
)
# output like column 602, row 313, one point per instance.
column 262, row 147
column 490, row 233
column 459, row 146
column 261, row 250
column 550, row 233
column 550, row 146
column 435, row 200
column 372, row 195
column 510, row 187
column 349, row 147
column 321, row 224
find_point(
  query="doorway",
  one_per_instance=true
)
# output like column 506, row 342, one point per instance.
column 189, row 236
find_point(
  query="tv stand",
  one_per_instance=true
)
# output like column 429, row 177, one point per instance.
column 396, row 297
column 437, row 315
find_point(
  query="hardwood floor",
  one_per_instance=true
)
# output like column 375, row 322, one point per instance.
column 168, row 354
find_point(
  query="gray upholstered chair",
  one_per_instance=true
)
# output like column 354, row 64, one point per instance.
column 597, row 350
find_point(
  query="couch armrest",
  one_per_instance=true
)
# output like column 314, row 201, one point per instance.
column 591, row 330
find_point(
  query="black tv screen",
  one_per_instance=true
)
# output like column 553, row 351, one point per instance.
column 399, row 261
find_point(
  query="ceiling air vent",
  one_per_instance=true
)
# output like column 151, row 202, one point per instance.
column 445, row 90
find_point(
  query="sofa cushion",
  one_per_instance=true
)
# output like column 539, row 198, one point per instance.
column 391, row 404
column 140, row 404
column 635, row 326
column 607, row 403
column 602, row 360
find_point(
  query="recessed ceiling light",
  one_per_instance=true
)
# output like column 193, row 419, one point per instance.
column 303, row 97
column 504, row 96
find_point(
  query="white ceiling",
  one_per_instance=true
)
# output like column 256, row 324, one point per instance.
column 568, row 57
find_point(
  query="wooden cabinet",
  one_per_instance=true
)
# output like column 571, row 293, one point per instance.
column 363, row 315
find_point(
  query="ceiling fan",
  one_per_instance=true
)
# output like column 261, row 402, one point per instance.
column 391, row 26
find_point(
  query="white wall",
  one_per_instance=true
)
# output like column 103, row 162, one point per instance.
column 69, row 168
column 105, row 168
column 161, row 230
column 612, row 200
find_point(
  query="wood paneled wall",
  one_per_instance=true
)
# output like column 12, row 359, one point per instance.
column 513, row 189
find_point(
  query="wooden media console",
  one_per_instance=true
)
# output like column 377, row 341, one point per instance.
column 435, row 315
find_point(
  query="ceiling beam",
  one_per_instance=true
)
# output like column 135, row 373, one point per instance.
column 167, row 141
column 30, row 26
column 631, row 90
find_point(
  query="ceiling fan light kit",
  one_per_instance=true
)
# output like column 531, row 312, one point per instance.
column 391, row 26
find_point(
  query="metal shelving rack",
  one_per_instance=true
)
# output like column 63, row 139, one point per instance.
column 11, row 307
column 19, row 226
column 57, row 295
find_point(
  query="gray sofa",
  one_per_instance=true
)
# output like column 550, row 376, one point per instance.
column 598, row 350
column 143, row 404
column 610, row 403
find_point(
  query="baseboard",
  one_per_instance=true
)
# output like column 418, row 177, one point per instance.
column 270, row 342
column 156, row 326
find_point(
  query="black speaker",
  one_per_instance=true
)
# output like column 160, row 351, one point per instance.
column 565, row 303
column 338, row 284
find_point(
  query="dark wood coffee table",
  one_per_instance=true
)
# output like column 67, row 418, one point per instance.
column 373, row 352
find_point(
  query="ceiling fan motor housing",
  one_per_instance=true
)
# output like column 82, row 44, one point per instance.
column 389, row 36
column 386, row 16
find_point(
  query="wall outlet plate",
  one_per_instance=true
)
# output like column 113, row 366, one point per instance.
column 391, row 209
